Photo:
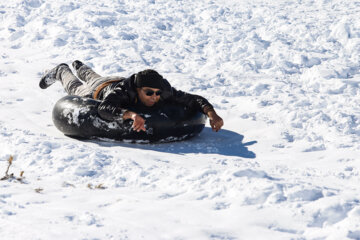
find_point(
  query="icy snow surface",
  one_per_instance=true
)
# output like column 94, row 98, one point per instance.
column 283, row 74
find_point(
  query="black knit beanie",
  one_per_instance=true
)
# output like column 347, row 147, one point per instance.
column 149, row 78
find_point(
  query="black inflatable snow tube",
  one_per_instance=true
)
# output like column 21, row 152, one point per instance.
column 77, row 117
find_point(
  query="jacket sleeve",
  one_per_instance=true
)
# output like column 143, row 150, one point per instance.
column 114, row 105
column 191, row 100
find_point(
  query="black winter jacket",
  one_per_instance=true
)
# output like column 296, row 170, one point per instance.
column 119, row 96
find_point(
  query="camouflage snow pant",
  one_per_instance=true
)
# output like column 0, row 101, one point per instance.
column 89, row 84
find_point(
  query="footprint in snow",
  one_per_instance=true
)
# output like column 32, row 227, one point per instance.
column 128, row 36
column 86, row 219
column 4, row 196
column 59, row 42
column 9, row 213
column 306, row 195
column 253, row 174
column 221, row 205
column 221, row 236
column 330, row 215
column 354, row 235
column 33, row 3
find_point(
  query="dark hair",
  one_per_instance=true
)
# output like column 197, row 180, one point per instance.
column 149, row 78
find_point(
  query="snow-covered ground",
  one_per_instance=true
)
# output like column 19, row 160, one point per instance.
column 284, row 75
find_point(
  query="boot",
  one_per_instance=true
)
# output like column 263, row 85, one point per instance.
column 50, row 77
column 77, row 64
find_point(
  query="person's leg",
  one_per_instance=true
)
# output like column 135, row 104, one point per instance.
column 90, row 77
column 49, row 77
column 71, row 84
column 84, row 72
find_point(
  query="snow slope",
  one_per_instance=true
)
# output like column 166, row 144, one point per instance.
column 284, row 75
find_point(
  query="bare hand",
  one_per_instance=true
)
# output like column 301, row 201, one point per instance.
column 138, row 124
column 216, row 122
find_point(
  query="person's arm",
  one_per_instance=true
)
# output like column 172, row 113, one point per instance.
column 216, row 121
column 139, row 122
column 192, row 101
column 201, row 104
column 113, row 108
column 114, row 105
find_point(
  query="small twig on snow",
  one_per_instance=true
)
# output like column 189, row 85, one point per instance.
column 11, row 176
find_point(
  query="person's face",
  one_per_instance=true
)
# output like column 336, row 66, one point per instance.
column 149, row 96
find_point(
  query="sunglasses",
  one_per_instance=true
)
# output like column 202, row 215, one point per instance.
column 151, row 92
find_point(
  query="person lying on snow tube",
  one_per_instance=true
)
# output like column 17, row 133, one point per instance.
column 146, row 89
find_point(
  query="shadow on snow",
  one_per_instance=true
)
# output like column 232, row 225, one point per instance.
column 224, row 142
